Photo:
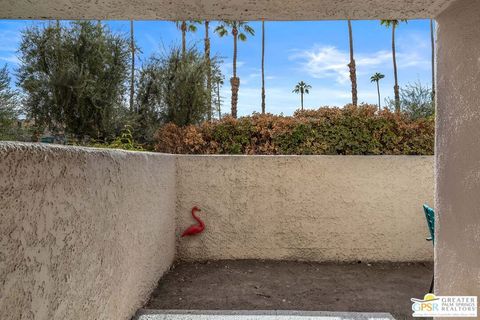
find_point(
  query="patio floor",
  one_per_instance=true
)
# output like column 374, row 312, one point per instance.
column 286, row 285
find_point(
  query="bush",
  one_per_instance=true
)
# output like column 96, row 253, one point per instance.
column 415, row 101
column 124, row 141
column 347, row 131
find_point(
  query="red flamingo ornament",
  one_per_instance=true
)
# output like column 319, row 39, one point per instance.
column 196, row 228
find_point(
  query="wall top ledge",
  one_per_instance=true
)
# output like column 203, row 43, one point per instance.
column 6, row 146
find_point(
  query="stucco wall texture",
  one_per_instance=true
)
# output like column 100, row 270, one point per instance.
column 221, row 10
column 457, row 255
column 318, row 208
column 85, row 233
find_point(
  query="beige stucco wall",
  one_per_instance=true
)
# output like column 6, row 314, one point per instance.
column 318, row 208
column 85, row 233
column 221, row 10
column 457, row 255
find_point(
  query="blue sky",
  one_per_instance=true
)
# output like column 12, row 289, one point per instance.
column 313, row 51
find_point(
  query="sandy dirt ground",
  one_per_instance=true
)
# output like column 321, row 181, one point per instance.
column 288, row 285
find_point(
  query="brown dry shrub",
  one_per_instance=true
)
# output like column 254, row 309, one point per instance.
column 350, row 130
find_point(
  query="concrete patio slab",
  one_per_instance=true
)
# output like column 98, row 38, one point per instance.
column 146, row 314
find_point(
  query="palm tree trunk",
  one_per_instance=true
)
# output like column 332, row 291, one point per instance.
column 234, row 81
column 235, row 34
column 352, row 67
column 263, row 66
column 209, row 71
column 132, row 75
column 432, row 38
column 395, row 73
column 301, row 100
column 379, row 99
column 184, row 38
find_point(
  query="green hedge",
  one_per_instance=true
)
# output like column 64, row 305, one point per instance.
column 346, row 131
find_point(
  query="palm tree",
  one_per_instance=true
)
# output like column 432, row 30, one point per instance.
column 239, row 31
column 209, row 70
column 394, row 24
column 263, row 66
column 352, row 66
column 132, row 75
column 302, row 88
column 186, row 26
column 432, row 39
column 376, row 78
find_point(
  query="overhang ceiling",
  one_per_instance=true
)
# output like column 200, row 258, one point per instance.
column 216, row 10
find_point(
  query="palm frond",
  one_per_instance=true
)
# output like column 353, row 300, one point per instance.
column 390, row 23
column 221, row 30
column 377, row 77
column 249, row 29
column 302, row 87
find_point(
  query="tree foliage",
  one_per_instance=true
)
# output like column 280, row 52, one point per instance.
column 8, row 99
column 416, row 101
column 8, row 106
column 74, row 77
column 172, row 89
column 239, row 29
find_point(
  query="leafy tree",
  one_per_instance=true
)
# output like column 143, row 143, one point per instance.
column 394, row 24
column 148, row 100
column 416, row 101
column 376, row 78
column 239, row 31
column 8, row 106
column 302, row 88
column 352, row 66
column 74, row 77
column 172, row 88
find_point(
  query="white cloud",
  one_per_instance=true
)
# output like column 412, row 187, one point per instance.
column 322, row 62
